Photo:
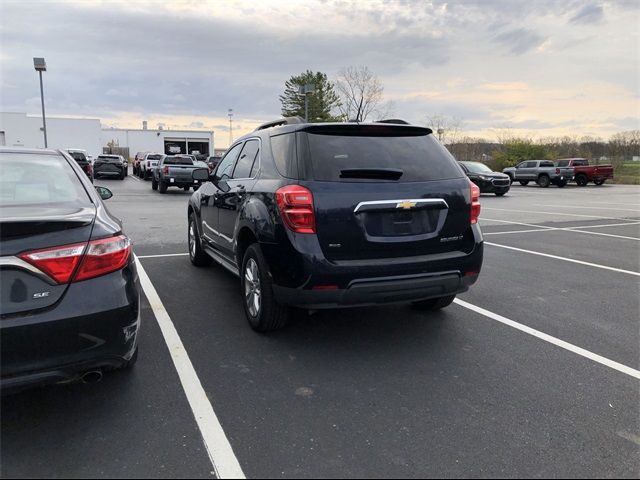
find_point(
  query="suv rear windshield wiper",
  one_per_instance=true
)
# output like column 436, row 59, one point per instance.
column 376, row 173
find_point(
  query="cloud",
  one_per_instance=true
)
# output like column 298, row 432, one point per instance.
column 588, row 15
column 520, row 40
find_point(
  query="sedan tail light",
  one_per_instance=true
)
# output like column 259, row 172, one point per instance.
column 475, row 203
column 295, row 203
column 81, row 261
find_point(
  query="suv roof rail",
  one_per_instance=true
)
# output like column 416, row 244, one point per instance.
column 280, row 122
column 397, row 121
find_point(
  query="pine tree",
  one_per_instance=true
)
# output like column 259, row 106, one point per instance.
column 322, row 102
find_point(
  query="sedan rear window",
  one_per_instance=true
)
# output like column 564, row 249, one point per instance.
column 379, row 154
column 38, row 179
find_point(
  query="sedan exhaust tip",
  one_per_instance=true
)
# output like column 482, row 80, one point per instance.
column 92, row 376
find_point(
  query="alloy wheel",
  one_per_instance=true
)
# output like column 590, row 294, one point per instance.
column 252, row 292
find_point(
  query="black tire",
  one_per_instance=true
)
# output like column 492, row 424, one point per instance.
column 500, row 194
column 582, row 180
column 434, row 303
column 562, row 184
column 510, row 179
column 195, row 188
column 162, row 187
column 267, row 315
column 146, row 174
column 524, row 183
column 186, row 189
column 196, row 254
column 544, row 181
column 154, row 184
column 600, row 181
column 122, row 176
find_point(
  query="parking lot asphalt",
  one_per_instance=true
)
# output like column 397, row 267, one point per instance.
column 375, row 392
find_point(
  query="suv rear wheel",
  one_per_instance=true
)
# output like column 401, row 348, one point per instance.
column 434, row 303
column 162, row 186
column 524, row 183
column 260, row 306
column 582, row 180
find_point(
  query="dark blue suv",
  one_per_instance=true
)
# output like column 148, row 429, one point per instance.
column 337, row 215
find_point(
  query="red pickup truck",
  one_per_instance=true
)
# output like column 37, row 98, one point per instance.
column 585, row 173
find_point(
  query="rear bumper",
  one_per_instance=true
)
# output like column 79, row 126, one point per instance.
column 371, row 291
column 95, row 325
column 310, row 280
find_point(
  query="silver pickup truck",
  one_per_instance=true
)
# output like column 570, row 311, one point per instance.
column 174, row 171
column 543, row 172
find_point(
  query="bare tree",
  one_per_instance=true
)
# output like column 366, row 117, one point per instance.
column 361, row 94
column 448, row 129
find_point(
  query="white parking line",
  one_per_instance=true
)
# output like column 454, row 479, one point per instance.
column 553, row 213
column 224, row 461
column 571, row 260
column 553, row 340
column 134, row 178
column 567, row 229
column 163, row 255
column 591, row 208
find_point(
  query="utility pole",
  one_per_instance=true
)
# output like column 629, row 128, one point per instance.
column 40, row 65
column 230, row 114
column 306, row 90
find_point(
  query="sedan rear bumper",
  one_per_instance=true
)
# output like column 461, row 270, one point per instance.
column 94, row 326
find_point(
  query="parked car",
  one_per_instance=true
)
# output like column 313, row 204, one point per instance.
column 174, row 171
column 543, row 172
column 585, row 173
column 70, row 299
column 83, row 160
column 110, row 166
column 337, row 215
column 148, row 165
column 486, row 179
column 213, row 161
column 136, row 162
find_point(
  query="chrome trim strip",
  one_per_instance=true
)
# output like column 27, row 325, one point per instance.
column 18, row 263
column 418, row 201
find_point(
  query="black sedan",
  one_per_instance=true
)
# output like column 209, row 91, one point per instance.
column 488, row 180
column 70, row 296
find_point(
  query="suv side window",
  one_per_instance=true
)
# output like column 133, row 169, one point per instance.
column 248, row 156
column 547, row 164
column 225, row 167
column 283, row 149
column 530, row 165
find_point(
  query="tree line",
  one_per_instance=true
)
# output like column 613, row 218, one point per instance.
column 357, row 94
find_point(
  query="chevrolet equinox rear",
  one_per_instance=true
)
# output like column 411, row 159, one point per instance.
column 337, row 215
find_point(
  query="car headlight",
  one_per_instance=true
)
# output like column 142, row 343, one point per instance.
column 482, row 177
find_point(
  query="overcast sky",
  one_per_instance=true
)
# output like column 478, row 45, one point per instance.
column 538, row 67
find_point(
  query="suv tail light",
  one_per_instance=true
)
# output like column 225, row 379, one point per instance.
column 295, row 203
column 557, row 171
column 475, row 203
column 165, row 171
column 91, row 260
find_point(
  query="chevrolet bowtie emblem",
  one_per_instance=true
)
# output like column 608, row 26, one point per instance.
column 406, row 205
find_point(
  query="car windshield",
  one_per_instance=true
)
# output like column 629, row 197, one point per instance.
column 476, row 167
column 154, row 157
column 30, row 179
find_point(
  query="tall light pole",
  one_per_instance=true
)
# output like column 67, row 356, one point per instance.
column 230, row 114
column 306, row 90
column 40, row 65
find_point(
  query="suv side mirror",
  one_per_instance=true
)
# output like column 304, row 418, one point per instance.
column 104, row 193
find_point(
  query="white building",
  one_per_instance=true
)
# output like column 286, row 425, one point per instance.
column 20, row 129
column 143, row 140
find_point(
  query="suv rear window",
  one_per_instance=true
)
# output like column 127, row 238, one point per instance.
column 154, row 157
column 28, row 179
column 109, row 159
column 78, row 156
column 341, row 153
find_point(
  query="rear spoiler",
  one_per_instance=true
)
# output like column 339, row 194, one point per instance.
column 367, row 129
